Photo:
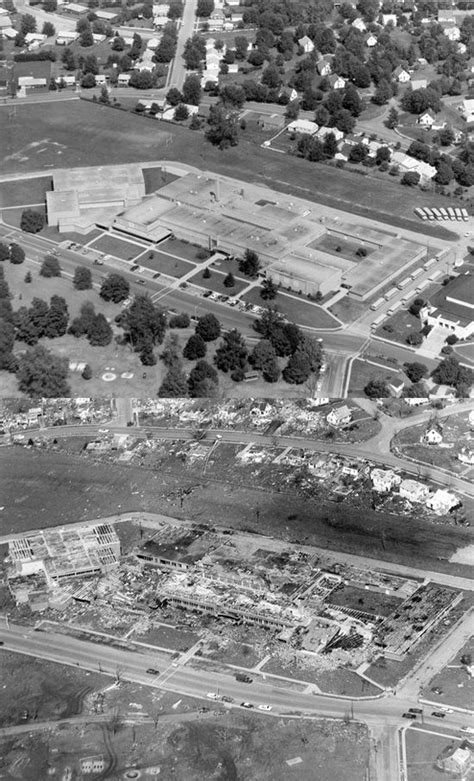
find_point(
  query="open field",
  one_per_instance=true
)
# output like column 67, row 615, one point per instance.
column 166, row 637
column 363, row 372
column 367, row 601
column 340, row 681
column 122, row 137
column 43, row 488
column 164, row 263
column 422, row 750
column 456, row 685
column 295, row 309
column 24, row 191
column 120, row 248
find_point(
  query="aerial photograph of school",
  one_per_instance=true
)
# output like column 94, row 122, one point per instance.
column 237, row 390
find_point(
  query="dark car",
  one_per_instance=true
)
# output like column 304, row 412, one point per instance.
column 409, row 715
column 158, row 274
column 246, row 705
column 1, row 642
column 438, row 714
column 225, row 698
column 243, row 677
column 140, row 281
column 415, row 710
column 183, row 285
column 152, row 671
column 98, row 262
column 135, row 267
column 207, row 293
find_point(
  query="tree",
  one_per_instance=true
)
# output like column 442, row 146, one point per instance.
column 82, row 278
column 383, row 93
column 104, row 96
column 99, row 332
column 446, row 136
column 192, row 90
column 48, row 30
column 410, row 178
column 174, row 383
column 450, row 372
column 444, row 174
column 118, row 43
column 7, row 339
column 415, row 371
column 344, row 121
column 416, row 306
column 17, row 254
column 208, row 327
column 25, row 329
column 329, row 145
column 180, row 321
column 86, row 39
column 204, row 8
column 58, row 317
column 358, row 153
column 264, row 357
column 297, row 369
column 114, row 288
column 68, row 59
column 27, row 24
column 377, row 389
column 229, row 280
column 28, row 277
column 232, row 353
column 232, row 95
column 203, row 381
column 351, row 100
column 32, row 221
column 41, row 374
column 80, row 325
column 415, row 339
column 142, row 80
column 143, row 322
column 222, row 130
column 88, row 81
column 249, row 264
column 174, row 97
column 194, row 348
column 50, row 267
column 181, row 113
column 392, row 119
column 4, row 251
column 86, row 372
column 268, row 289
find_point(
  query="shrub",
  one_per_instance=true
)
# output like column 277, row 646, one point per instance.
column 87, row 372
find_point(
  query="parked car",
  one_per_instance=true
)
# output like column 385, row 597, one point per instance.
column 242, row 676
column 226, row 698
column 264, row 707
column 409, row 715
column 152, row 671
column 469, row 730
column 135, row 267
column 158, row 274
column 212, row 696
column 438, row 714
column 415, row 710
column 445, row 709
column 246, row 705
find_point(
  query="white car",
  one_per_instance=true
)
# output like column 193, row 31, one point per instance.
column 445, row 709
column 264, row 707
column 212, row 696
column 103, row 431
column 469, row 730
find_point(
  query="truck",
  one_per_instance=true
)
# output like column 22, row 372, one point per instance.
column 422, row 285
column 377, row 304
column 390, row 293
column 437, row 214
column 465, row 214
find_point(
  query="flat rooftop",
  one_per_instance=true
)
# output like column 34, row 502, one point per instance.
column 455, row 301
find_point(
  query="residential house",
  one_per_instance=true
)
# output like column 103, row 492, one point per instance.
column 467, row 109
column 303, row 126
column 370, row 40
column 216, row 21
column 407, row 163
column 168, row 114
column 389, row 19
column 209, row 76
column 383, row 480
column 339, row 416
column 98, row 38
column 233, row 67
column 413, row 491
column 232, row 3
column 336, row 82
column 323, row 131
column 418, row 82
column 359, row 24
column 65, row 37
column 427, row 118
column 401, row 75
column 461, row 48
column 446, row 15
column 306, row 44
column 160, row 21
column 237, row 16
column 442, row 502
column 456, row 762
column 324, row 65
column 466, row 456
column 432, row 435
column 123, row 79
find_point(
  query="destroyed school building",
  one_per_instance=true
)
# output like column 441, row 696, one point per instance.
column 235, row 577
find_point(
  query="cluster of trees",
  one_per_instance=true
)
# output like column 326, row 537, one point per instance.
column 222, row 128
column 50, row 267
column 448, row 372
column 92, row 325
column 194, row 52
column 191, row 92
column 144, row 327
column 40, row 319
column 13, row 252
column 32, row 221
column 167, row 46
column 459, row 168
column 7, row 329
column 287, row 340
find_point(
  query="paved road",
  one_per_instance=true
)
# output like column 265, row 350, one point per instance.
column 177, row 73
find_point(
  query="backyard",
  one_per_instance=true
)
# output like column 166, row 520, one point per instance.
column 363, row 372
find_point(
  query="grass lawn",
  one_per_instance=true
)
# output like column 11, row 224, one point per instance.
column 216, row 282
column 81, row 238
column 13, row 217
column 340, row 681
column 167, row 637
column 160, row 261
column 399, row 326
column 362, row 372
column 422, row 750
column 121, row 137
column 465, row 352
column 182, row 249
column 454, row 682
column 298, row 310
column 342, row 247
column 348, row 310
column 119, row 248
column 25, row 191
column 368, row 601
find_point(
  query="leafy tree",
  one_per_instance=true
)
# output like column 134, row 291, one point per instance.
column 392, row 119
column 450, row 372
column 147, row 356
column 415, row 339
column 104, row 96
column 41, row 374
column 192, row 90
column 222, row 130
column 118, row 43
column 351, row 100
column 358, row 153
column 233, row 95
column 206, row 274
column 297, row 369
column 143, row 322
column 344, row 121
column 410, row 178
column 50, row 267
column 241, row 46
column 194, row 52
column 80, row 325
column 264, row 357
column 88, row 81
column 174, row 97
column 17, row 254
column 180, row 321
column 203, row 380
column 383, row 93
column 142, row 80
column 250, row 264
column 86, row 372
column 28, row 277
column 444, row 174
column 25, row 329
column 232, row 353
column 446, row 136
column 114, row 288
column 208, row 327
column 181, row 113
column 27, row 24
column 68, row 59
column 57, row 319
column 4, row 251
column 86, row 38
column 194, row 348
column 377, row 389
column 82, row 278
column 7, row 339
column 415, row 371
column 32, row 221
column 99, row 331
column 174, row 383
column 382, row 155
column 229, row 280
column 329, row 145
column 204, row 8
column 416, row 306
column 48, row 29
column 268, row 289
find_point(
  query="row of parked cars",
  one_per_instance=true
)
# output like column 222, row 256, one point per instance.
column 241, row 305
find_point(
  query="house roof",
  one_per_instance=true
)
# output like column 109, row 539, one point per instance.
column 428, row 113
column 454, row 300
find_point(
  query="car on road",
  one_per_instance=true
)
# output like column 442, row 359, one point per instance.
column 135, row 267
column 183, row 285
column 438, row 714
column 264, row 707
column 415, row 710
column 246, row 705
column 152, row 671
column 207, row 293
column 243, row 677
column 1, row 642
column 409, row 715
column 226, row 698
column 103, row 431
column 437, row 690
column 98, row 262
column 140, row 281
column 469, row 730
column 445, row 709
column 158, row 274
column 213, row 696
